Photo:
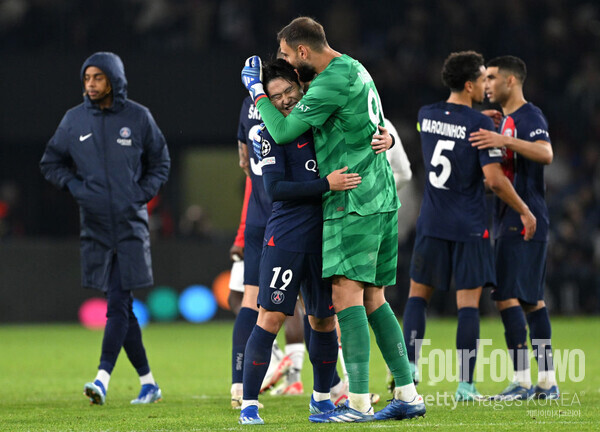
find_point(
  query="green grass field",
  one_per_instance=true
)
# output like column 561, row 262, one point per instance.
column 43, row 369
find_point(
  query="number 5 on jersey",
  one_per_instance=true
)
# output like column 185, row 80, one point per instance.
column 437, row 159
column 286, row 278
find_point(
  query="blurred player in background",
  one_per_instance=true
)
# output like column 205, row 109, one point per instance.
column 291, row 260
column 397, row 158
column 360, row 238
column 521, row 264
column 111, row 156
column 247, row 249
column 452, row 239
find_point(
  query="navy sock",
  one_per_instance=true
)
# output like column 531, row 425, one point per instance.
column 515, row 332
column 323, row 353
column 467, row 334
column 244, row 323
column 307, row 333
column 414, row 325
column 540, row 333
column 256, row 361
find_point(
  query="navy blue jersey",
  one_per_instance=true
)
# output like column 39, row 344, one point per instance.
column 453, row 205
column 259, row 205
column 529, row 124
column 295, row 225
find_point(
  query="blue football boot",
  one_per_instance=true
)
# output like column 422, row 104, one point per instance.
column 95, row 392
column 514, row 391
column 551, row 393
column 249, row 416
column 400, row 410
column 148, row 394
column 343, row 414
column 320, row 407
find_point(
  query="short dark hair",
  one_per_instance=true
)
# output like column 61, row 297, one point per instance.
column 304, row 30
column 461, row 67
column 511, row 64
column 279, row 68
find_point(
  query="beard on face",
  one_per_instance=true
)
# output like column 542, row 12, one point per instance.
column 306, row 72
column 102, row 96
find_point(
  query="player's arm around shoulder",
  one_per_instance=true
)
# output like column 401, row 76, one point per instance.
column 539, row 151
column 282, row 129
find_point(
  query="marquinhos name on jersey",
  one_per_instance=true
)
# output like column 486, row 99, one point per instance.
column 444, row 129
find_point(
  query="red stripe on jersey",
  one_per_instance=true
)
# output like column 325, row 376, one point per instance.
column 508, row 156
column 271, row 242
column 486, row 234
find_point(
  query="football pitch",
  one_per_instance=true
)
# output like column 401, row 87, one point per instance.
column 43, row 369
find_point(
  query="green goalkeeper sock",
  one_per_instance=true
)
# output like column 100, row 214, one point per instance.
column 390, row 341
column 356, row 346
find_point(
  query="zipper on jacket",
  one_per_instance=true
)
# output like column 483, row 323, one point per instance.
column 109, row 189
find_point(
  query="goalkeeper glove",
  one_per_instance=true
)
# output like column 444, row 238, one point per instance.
column 252, row 77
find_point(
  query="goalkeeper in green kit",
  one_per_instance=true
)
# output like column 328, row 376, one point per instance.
column 360, row 231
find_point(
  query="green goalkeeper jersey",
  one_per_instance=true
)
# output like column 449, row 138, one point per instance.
column 343, row 108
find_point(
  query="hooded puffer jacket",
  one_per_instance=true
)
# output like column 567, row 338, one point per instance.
column 113, row 161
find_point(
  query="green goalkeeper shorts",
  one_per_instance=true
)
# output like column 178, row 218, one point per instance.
column 362, row 248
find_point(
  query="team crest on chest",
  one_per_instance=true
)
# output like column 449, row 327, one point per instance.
column 125, row 136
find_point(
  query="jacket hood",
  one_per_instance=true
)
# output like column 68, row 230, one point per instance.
column 112, row 66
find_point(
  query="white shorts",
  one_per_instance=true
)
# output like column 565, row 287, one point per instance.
column 236, row 280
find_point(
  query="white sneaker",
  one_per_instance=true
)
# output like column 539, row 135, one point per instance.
column 279, row 371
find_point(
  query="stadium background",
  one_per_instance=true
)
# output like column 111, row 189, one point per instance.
column 182, row 60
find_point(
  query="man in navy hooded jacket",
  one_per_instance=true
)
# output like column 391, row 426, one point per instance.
column 111, row 156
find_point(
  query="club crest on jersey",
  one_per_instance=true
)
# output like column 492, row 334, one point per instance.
column 277, row 297
column 265, row 148
column 125, row 134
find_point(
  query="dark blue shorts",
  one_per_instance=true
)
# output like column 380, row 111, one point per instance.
column 435, row 261
column 253, row 243
column 521, row 269
column 284, row 274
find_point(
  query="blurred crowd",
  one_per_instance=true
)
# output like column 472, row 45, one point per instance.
column 403, row 44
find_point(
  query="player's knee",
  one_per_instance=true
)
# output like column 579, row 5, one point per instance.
column 420, row 290
column 270, row 321
column 323, row 325
column 529, row 308
column 505, row 304
column 250, row 298
column 468, row 298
